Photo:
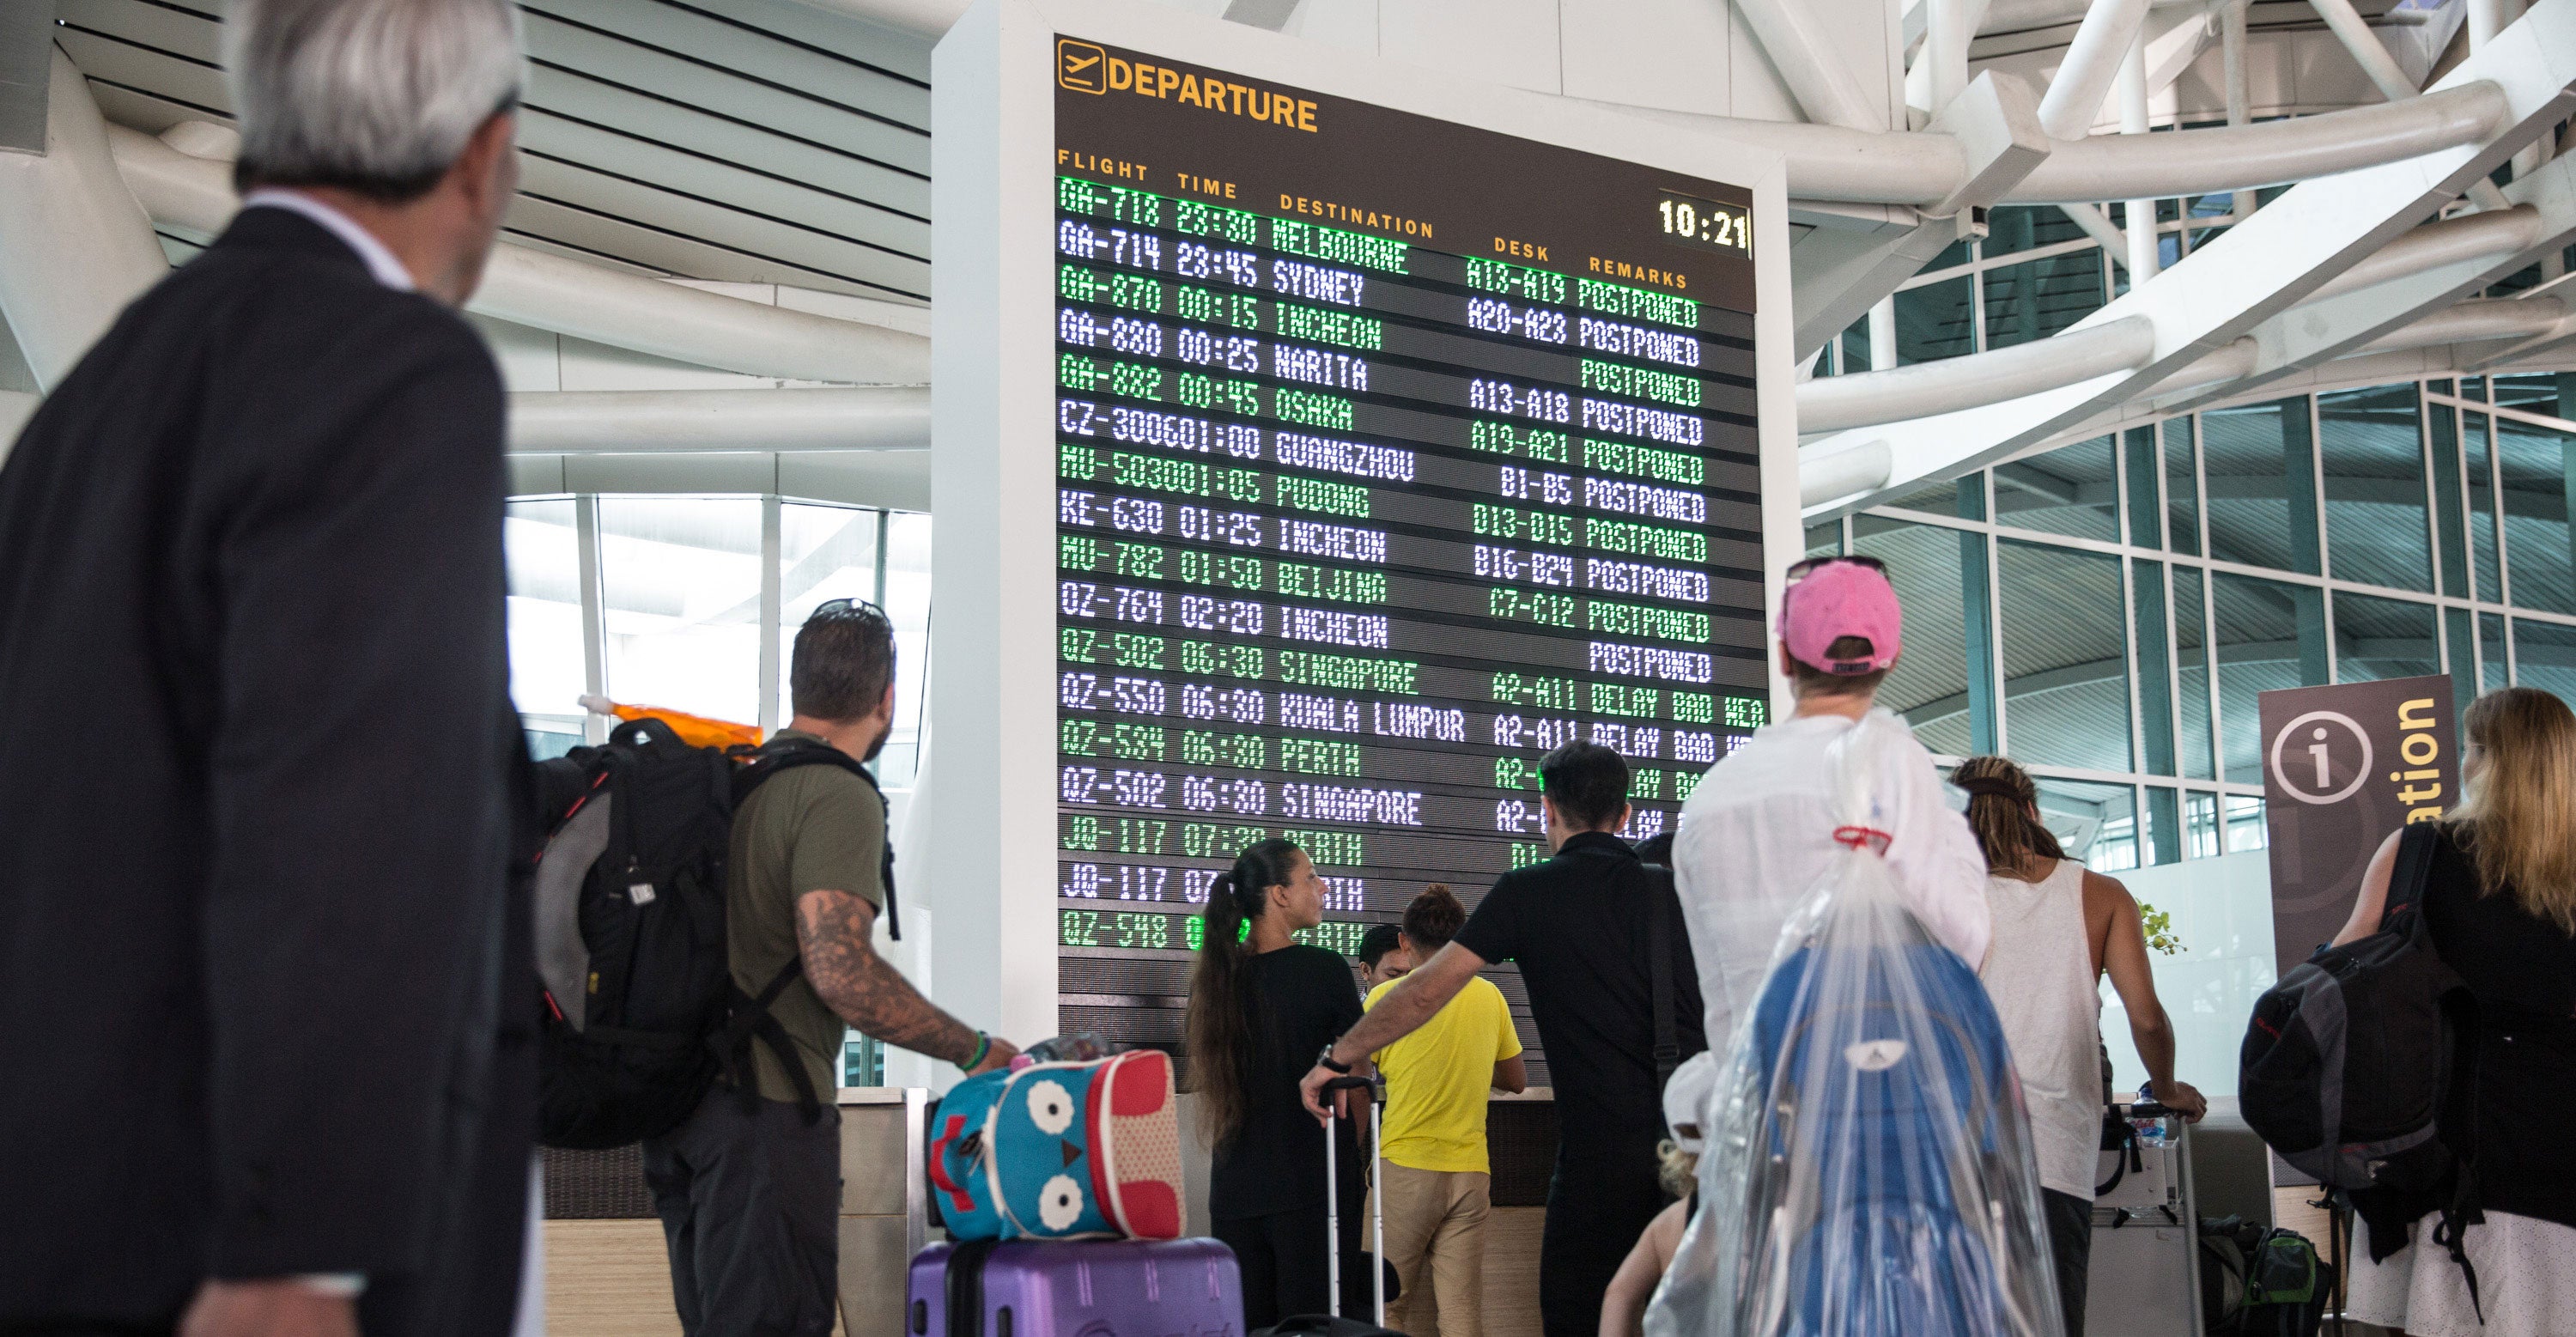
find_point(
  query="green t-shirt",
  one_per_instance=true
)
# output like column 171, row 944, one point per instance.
column 814, row 828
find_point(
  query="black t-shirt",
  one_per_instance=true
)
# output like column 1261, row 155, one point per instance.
column 2522, row 970
column 1580, row 925
column 1301, row 998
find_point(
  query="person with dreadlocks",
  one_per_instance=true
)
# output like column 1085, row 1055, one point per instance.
column 2058, row 927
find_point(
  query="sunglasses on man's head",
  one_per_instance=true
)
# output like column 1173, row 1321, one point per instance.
column 1801, row 569
column 834, row 607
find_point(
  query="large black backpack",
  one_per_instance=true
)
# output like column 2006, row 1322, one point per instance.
column 2349, row 1059
column 641, row 1013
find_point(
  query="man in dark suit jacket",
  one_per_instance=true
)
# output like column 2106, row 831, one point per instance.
column 262, row 1020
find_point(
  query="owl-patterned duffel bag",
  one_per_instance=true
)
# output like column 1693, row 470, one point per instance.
column 1054, row 1151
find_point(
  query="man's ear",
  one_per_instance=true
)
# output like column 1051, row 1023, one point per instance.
column 1547, row 809
column 885, row 704
column 1626, row 811
column 481, row 169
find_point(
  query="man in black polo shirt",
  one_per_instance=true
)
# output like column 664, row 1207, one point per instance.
column 1582, row 928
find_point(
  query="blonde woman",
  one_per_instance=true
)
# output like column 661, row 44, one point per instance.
column 2058, row 928
column 2500, row 901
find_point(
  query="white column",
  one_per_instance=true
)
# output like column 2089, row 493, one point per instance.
column 2133, row 121
column 2231, row 42
column 74, row 246
column 1882, row 334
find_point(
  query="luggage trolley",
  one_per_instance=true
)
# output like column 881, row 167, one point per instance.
column 2143, row 1279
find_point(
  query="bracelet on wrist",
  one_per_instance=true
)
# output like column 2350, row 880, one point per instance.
column 983, row 1047
column 1325, row 1061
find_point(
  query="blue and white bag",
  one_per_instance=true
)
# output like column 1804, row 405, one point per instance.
column 1868, row 1169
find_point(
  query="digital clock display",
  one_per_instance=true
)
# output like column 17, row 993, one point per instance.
column 1390, row 453
column 1690, row 221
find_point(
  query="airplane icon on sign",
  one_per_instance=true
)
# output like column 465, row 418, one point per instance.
column 1079, row 66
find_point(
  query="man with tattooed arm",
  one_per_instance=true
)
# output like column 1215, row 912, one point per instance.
column 749, row 1190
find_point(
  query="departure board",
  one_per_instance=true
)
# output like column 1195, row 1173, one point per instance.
column 1390, row 453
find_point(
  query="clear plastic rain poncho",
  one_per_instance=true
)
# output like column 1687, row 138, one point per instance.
column 1868, row 1169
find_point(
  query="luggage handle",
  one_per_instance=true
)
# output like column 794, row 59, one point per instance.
column 1333, row 1203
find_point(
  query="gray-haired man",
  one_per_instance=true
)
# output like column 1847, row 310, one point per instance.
column 267, row 999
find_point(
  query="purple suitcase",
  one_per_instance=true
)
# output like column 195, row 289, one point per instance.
column 1075, row 1288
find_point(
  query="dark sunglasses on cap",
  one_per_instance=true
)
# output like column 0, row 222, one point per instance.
column 834, row 607
column 1800, row 569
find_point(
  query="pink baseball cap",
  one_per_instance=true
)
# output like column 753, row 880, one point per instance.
column 1838, row 597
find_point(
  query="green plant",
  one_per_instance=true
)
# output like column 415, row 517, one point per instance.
column 2159, row 927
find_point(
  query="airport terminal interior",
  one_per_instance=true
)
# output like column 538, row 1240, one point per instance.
column 2167, row 353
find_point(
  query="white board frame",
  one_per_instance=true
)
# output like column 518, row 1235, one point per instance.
column 992, row 732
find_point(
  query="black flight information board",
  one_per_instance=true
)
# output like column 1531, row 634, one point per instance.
column 1391, row 452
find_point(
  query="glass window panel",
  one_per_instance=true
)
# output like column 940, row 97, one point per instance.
column 2373, row 456
column 1935, row 320
column 2443, row 424
column 542, row 545
column 2383, row 638
column 2544, row 656
column 2192, row 738
column 2096, row 823
column 2441, row 387
column 2065, row 658
column 2461, row 642
column 2163, row 843
column 2473, row 387
column 2146, row 509
column 2270, row 636
column 2200, row 824
column 2551, row 393
column 1929, row 686
column 2493, row 662
column 2155, row 702
column 2037, row 298
column 1956, row 253
column 2182, row 484
column 2478, row 453
column 2245, row 825
column 1825, row 539
column 2072, row 490
column 824, row 552
column 1964, row 498
column 2013, row 228
column 1853, row 347
column 549, row 668
column 2260, row 491
column 907, row 601
column 2534, row 473
column 681, row 578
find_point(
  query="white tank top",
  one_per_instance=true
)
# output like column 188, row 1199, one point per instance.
column 2039, row 973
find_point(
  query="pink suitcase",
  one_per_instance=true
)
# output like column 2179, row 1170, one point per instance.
column 1075, row 1288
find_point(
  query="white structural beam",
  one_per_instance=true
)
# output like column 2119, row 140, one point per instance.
column 2267, row 264
column 567, row 296
column 1921, row 168
column 2470, row 249
column 546, row 422
column 2468, row 238
column 2267, row 153
column 73, row 248
column 1833, row 403
column 16, row 407
column 2353, row 31
column 2454, row 261
column 927, row 18
column 1805, row 59
column 2093, row 60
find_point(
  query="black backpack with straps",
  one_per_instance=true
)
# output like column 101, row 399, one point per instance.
column 641, row 1012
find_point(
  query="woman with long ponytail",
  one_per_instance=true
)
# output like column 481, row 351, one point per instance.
column 2057, row 927
column 1261, row 1007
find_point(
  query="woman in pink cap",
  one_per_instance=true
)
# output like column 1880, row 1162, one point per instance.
column 1759, row 830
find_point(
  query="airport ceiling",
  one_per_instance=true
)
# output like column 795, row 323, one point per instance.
column 755, row 141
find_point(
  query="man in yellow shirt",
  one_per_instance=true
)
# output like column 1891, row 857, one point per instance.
column 1437, row 1184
